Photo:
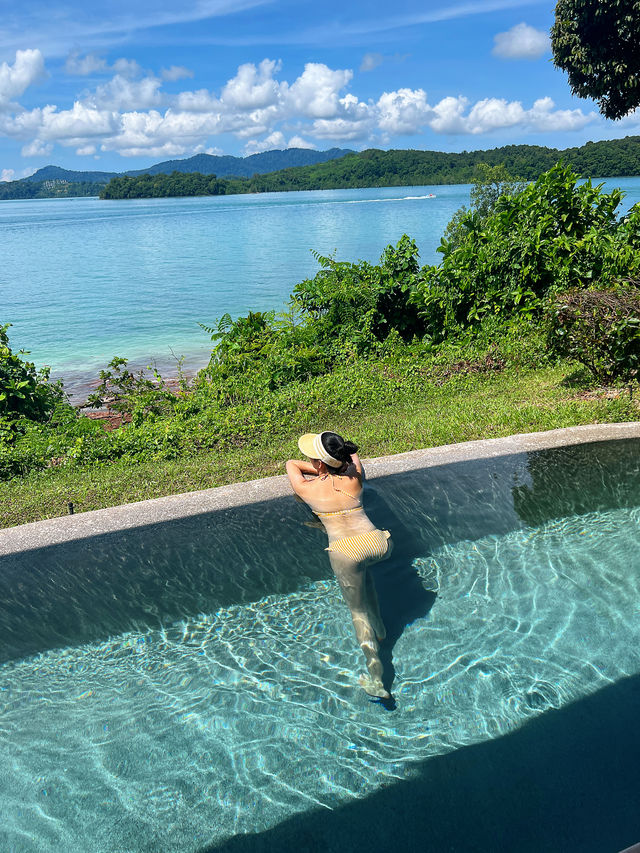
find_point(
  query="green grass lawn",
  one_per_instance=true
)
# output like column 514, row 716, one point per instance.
column 463, row 408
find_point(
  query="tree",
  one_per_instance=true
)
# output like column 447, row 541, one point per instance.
column 596, row 43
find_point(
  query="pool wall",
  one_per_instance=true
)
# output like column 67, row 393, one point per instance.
column 84, row 577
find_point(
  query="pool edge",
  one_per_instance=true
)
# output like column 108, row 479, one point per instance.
column 55, row 531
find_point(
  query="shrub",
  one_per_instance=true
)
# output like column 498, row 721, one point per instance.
column 24, row 391
column 599, row 328
column 553, row 235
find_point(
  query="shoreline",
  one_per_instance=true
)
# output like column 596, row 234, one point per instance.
column 79, row 383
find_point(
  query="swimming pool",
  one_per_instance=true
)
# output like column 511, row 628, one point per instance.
column 192, row 685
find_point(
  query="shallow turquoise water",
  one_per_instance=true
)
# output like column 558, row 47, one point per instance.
column 83, row 280
column 232, row 720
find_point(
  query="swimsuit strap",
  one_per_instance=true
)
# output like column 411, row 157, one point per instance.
column 348, row 494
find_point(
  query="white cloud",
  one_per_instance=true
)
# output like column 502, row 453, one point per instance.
column 492, row 114
column 15, row 79
column 201, row 101
column 299, row 142
column 341, row 129
column 82, row 66
column 403, row 112
column 200, row 149
column 78, row 123
column 131, row 115
column 175, row 72
column 543, row 117
column 252, row 88
column 371, row 61
column 316, row 91
column 36, row 149
column 274, row 140
column 521, row 42
column 123, row 93
column 7, row 175
column 126, row 67
column 449, row 115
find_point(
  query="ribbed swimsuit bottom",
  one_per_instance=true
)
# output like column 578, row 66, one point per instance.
column 372, row 545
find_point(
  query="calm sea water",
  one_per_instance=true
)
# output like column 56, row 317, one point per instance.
column 83, row 280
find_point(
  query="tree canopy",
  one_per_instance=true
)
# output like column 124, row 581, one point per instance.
column 596, row 43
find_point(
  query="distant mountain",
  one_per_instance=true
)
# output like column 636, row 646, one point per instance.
column 206, row 164
column 244, row 167
column 56, row 173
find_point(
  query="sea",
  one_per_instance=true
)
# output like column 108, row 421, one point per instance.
column 84, row 280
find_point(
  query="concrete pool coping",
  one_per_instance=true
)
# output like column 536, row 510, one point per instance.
column 68, row 528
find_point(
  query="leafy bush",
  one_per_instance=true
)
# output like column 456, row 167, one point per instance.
column 137, row 394
column 599, row 328
column 24, row 391
column 358, row 304
column 554, row 235
column 347, row 310
column 489, row 183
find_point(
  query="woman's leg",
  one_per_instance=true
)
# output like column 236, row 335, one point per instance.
column 353, row 581
column 373, row 607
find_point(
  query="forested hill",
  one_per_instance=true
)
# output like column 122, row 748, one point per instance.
column 374, row 168
column 244, row 167
column 371, row 168
column 52, row 181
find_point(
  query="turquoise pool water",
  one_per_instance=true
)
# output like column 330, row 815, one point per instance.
column 513, row 593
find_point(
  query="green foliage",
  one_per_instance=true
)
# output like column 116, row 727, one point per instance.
column 24, row 391
column 163, row 186
column 138, row 395
column 596, row 43
column 554, row 234
column 488, row 184
column 346, row 311
column 599, row 328
column 374, row 168
column 354, row 306
column 26, row 188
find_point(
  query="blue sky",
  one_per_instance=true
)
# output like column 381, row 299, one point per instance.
column 121, row 85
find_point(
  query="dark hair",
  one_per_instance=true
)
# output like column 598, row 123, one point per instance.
column 336, row 446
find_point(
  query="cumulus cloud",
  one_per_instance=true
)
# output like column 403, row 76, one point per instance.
column 126, row 67
column 316, row 91
column 489, row 114
column 175, row 72
column 274, row 140
column 371, row 61
column 124, row 93
column 27, row 69
column 403, row 112
column 36, row 149
column 81, row 66
column 252, row 87
column 7, row 175
column 521, row 42
column 299, row 142
column 131, row 115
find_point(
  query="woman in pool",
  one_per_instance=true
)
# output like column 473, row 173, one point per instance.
column 334, row 493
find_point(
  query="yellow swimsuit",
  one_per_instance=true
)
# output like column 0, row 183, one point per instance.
column 372, row 545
